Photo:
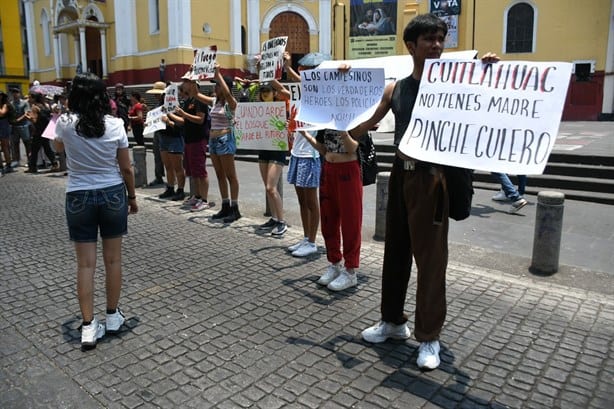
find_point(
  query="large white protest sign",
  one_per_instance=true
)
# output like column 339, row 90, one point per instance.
column 339, row 99
column 171, row 97
column 272, row 59
column 204, row 63
column 261, row 126
column 501, row 117
column 153, row 122
column 395, row 67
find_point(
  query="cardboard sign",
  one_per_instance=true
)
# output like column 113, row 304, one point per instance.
column 340, row 100
column 171, row 98
column 272, row 59
column 204, row 63
column 153, row 122
column 261, row 126
column 501, row 117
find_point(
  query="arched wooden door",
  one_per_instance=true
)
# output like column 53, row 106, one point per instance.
column 296, row 28
column 94, row 50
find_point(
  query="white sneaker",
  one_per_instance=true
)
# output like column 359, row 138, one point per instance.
column 500, row 197
column 381, row 331
column 330, row 274
column 428, row 355
column 343, row 281
column 295, row 247
column 517, row 205
column 305, row 250
column 115, row 321
column 90, row 334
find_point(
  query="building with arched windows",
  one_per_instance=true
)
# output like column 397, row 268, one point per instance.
column 141, row 41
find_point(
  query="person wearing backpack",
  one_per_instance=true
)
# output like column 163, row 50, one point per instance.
column 40, row 115
column 417, row 211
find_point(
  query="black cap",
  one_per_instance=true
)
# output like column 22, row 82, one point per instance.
column 265, row 87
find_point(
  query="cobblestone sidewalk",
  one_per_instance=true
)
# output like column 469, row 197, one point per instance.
column 220, row 316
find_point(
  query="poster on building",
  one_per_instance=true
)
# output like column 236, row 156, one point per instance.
column 451, row 40
column 501, row 117
column 153, row 122
column 372, row 28
column 442, row 8
column 203, row 66
column 261, row 126
column 171, row 97
column 272, row 59
column 340, row 100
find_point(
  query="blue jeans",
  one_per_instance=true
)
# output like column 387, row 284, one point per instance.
column 508, row 187
column 88, row 210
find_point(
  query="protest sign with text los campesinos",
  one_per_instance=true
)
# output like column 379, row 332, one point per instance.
column 261, row 126
column 501, row 117
column 295, row 105
column 340, row 99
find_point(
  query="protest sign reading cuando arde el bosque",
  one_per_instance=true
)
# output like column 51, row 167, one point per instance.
column 272, row 59
column 339, row 100
column 501, row 117
column 261, row 126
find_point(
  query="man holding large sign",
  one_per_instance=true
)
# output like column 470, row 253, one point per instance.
column 418, row 206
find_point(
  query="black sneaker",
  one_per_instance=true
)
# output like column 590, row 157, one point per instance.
column 268, row 225
column 279, row 229
column 178, row 196
column 156, row 182
column 233, row 215
column 169, row 192
column 223, row 213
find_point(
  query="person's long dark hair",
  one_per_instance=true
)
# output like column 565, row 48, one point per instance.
column 89, row 100
column 4, row 98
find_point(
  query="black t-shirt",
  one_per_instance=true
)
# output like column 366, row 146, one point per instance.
column 193, row 132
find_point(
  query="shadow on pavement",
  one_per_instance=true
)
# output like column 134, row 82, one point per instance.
column 408, row 377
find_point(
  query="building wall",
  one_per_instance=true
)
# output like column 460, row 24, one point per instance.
column 13, row 72
column 566, row 30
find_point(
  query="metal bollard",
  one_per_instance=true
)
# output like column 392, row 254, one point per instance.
column 280, row 189
column 140, row 166
column 548, row 229
column 381, row 202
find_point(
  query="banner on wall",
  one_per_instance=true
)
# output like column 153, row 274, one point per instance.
column 261, row 126
column 372, row 28
column 451, row 40
column 501, row 117
column 442, row 8
column 272, row 59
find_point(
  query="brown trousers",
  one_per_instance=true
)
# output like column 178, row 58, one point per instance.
column 416, row 224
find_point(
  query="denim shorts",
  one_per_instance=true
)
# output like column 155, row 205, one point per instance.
column 171, row 144
column 304, row 172
column 88, row 210
column 223, row 145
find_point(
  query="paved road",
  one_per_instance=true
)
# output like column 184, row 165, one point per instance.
column 220, row 316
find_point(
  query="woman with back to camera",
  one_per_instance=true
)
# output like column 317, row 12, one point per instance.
column 99, row 173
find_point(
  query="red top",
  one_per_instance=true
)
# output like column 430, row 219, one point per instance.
column 134, row 111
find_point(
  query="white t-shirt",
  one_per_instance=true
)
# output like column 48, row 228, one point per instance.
column 303, row 149
column 91, row 162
